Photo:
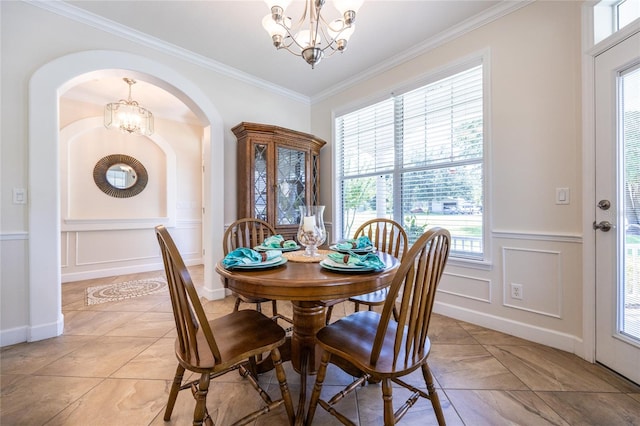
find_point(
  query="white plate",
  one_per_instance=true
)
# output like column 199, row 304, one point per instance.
column 262, row 265
column 282, row 249
column 335, row 266
column 356, row 251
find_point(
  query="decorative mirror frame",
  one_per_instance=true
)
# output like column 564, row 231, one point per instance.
column 100, row 176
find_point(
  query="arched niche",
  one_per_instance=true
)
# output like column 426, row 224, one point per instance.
column 165, row 214
column 45, row 86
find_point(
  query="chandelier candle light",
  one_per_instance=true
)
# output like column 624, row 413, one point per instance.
column 128, row 115
column 312, row 35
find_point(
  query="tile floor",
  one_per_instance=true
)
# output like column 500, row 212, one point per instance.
column 114, row 364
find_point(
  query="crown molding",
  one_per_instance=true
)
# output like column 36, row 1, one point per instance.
column 79, row 15
column 502, row 9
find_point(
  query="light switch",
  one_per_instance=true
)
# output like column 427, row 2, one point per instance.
column 19, row 196
column 562, row 195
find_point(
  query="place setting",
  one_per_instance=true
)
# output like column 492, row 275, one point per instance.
column 277, row 242
column 247, row 259
column 352, row 262
column 361, row 245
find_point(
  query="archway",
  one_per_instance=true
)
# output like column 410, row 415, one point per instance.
column 46, row 85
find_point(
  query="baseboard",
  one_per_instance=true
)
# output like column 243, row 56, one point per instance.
column 21, row 334
column 46, row 331
column 13, row 335
column 543, row 336
column 209, row 294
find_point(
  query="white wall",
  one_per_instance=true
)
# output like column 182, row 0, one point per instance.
column 31, row 38
column 106, row 236
column 534, row 146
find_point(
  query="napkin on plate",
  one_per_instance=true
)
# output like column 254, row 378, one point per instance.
column 369, row 260
column 247, row 256
column 278, row 241
column 355, row 243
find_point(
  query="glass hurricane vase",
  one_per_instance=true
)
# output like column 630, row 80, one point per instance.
column 311, row 231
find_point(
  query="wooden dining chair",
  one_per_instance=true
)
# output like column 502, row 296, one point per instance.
column 388, row 236
column 383, row 349
column 250, row 232
column 212, row 348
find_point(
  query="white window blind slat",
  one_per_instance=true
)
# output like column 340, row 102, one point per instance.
column 418, row 158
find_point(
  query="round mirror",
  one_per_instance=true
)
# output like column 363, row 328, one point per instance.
column 120, row 176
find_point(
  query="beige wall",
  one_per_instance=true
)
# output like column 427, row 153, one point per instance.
column 533, row 136
column 33, row 37
column 533, row 146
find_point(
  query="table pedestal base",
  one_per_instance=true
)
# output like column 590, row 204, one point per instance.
column 309, row 318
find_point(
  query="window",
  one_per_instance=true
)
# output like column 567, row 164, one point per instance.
column 417, row 158
column 626, row 12
column 610, row 16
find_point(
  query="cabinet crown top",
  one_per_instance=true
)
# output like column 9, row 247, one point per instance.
column 245, row 128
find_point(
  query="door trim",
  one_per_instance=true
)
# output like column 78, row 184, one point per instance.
column 590, row 51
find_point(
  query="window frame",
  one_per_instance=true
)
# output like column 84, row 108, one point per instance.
column 482, row 59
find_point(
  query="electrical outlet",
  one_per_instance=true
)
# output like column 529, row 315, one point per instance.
column 516, row 291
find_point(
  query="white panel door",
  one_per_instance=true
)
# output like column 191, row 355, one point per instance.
column 617, row 214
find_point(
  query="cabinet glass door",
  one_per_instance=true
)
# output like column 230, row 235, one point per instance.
column 260, row 182
column 291, row 175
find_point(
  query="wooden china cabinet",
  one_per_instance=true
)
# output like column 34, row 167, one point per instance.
column 278, row 171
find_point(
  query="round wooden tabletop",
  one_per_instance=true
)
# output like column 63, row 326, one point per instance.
column 307, row 281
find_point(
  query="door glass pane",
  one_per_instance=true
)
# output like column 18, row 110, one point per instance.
column 630, row 268
column 260, row 182
column 291, row 177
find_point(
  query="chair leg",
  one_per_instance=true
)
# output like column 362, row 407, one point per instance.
column 387, row 399
column 284, row 388
column 236, row 306
column 317, row 387
column 173, row 394
column 274, row 308
column 433, row 395
column 201, row 400
column 329, row 312
column 259, row 307
column 356, row 308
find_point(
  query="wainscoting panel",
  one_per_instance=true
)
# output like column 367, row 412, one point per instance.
column 537, row 274
column 95, row 254
column 96, row 247
column 466, row 286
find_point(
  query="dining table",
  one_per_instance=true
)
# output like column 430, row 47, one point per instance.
column 309, row 287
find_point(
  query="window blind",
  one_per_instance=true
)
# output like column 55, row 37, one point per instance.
column 418, row 158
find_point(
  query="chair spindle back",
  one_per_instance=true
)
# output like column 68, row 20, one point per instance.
column 416, row 281
column 247, row 232
column 386, row 235
column 187, row 309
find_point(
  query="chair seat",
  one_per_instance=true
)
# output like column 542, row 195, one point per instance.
column 377, row 297
column 338, row 336
column 238, row 334
column 246, row 299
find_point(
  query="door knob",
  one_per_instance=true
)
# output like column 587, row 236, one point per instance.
column 604, row 226
column 604, row 204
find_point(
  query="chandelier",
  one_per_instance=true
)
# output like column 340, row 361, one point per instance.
column 128, row 116
column 312, row 35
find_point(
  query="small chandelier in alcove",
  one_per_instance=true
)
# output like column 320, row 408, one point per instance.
column 128, row 116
